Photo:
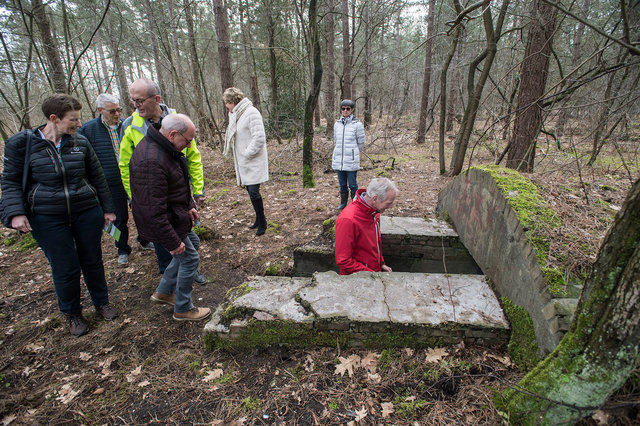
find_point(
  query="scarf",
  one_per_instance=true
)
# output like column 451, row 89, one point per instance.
column 234, row 116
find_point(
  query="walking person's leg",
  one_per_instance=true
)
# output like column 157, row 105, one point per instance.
column 258, row 207
column 344, row 191
column 188, row 262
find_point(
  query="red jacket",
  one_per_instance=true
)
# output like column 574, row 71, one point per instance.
column 358, row 240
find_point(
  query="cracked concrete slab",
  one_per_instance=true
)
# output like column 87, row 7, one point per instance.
column 415, row 226
column 365, row 308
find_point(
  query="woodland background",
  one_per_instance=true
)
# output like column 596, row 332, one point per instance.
column 497, row 73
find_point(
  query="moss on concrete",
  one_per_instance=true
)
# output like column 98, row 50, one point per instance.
column 556, row 286
column 522, row 348
column 329, row 226
column 532, row 210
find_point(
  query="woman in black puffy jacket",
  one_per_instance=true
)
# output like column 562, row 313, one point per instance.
column 65, row 205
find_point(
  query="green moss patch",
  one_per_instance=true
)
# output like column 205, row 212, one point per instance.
column 556, row 286
column 20, row 242
column 532, row 210
column 522, row 348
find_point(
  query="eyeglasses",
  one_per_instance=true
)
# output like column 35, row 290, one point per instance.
column 140, row 101
column 185, row 138
column 346, row 108
column 111, row 111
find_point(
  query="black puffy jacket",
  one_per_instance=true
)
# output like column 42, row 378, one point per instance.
column 66, row 182
column 98, row 135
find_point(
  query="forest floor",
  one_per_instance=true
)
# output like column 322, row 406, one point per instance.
column 144, row 367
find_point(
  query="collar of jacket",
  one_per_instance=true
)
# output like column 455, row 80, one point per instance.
column 154, row 134
column 360, row 202
column 65, row 139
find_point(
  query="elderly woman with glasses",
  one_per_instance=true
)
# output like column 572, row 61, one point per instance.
column 348, row 134
column 246, row 141
column 63, row 199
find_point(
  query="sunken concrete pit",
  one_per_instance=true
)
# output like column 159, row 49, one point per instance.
column 365, row 309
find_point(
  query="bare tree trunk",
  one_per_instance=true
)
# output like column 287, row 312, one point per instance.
column 346, row 52
column 331, row 68
column 251, row 65
column 271, row 30
column 475, row 88
column 156, row 51
column 426, row 82
column 121, row 75
column 312, row 100
column 224, row 42
column 533, row 79
column 443, row 93
column 367, row 64
column 50, row 45
column 575, row 57
column 600, row 350
column 453, row 87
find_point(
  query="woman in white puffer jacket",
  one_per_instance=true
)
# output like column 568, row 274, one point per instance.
column 247, row 141
column 348, row 134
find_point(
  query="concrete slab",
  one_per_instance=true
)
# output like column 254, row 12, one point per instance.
column 398, row 225
column 361, row 309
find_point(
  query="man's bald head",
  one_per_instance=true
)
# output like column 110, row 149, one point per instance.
column 179, row 129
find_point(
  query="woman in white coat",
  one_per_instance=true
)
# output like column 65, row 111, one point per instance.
column 348, row 134
column 247, row 142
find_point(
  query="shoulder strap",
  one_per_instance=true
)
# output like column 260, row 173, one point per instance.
column 27, row 158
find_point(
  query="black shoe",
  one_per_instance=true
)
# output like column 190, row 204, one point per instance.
column 107, row 312
column 77, row 325
column 255, row 224
column 200, row 278
column 344, row 196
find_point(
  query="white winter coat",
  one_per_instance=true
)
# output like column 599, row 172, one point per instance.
column 348, row 134
column 250, row 149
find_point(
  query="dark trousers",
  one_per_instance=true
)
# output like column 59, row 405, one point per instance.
column 122, row 217
column 72, row 246
column 163, row 256
column 254, row 191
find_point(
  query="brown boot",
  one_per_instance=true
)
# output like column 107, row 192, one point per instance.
column 195, row 314
column 166, row 299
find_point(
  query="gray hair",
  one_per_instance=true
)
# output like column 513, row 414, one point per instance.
column 152, row 87
column 380, row 187
column 177, row 122
column 104, row 99
column 232, row 95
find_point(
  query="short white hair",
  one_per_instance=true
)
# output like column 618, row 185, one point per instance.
column 380, row 187
column 106, row 98
column 177, row 122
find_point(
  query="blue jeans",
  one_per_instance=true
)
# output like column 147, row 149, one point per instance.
column 163, row 257
column 72, row 245
column 178, row 277
column 349, row 177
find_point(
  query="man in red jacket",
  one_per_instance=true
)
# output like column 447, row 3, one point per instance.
column 358, row 240
column 164, row 210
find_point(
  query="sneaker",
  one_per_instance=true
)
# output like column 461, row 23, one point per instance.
column 123, row 259
column 107, row 312
column 148, row 245
column 195, row 314
column 77, row 325
column 199, row 277
column 166, row 299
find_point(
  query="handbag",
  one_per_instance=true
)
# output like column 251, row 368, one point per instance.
column 6, row 221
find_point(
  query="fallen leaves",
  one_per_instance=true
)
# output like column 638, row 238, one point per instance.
column 67, row 394
column 387, row 409
column 85, row 356
column 132, row 376
column 347, row 365
column 435, row 354
column 212, row 375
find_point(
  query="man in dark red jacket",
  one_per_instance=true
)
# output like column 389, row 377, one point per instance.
column 164, row 210
column 358, row 240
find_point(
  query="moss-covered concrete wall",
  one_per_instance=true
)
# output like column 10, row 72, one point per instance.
column 488, row 216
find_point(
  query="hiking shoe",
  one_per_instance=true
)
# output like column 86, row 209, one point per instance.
column 123, row 259
column 107, row 312
column 166, row 299
column 195, row 314
column 148, row 245
column 199, row 277
column 77, row 325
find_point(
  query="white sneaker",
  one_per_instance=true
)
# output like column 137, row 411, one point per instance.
column 123, row 259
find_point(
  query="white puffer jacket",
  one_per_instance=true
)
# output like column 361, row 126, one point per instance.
column 348, row 134
column 250, row 149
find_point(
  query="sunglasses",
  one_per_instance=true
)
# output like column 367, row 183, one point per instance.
column 346, row 108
